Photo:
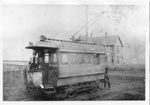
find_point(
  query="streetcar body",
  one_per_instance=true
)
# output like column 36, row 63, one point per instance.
column 67, row 64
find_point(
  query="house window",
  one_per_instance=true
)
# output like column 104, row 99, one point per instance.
column 118, row 59
column 118, row 49
column 64, row 58
column 112, row 59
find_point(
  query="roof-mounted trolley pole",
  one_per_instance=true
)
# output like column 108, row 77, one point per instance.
column 105, row 48
column 86, row 23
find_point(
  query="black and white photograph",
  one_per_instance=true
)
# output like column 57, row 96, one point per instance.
column 75, row 52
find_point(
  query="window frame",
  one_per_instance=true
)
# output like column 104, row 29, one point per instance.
column 118, row 49
column 46, row 55
column 64, row 63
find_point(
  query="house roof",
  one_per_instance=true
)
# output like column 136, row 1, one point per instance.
column 110, row 40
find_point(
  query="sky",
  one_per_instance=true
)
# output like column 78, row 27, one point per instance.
column 24, row 23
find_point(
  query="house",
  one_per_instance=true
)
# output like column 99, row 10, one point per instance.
column 114, row 47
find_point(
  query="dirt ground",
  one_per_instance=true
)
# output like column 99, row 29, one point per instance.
column 126, row 84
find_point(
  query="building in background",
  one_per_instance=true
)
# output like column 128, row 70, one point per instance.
column 114, row 47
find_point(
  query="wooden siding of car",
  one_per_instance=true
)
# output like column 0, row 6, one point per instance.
column 71, row 74
column 80, row 69
column 79, row 79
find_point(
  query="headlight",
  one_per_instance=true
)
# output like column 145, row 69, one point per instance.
column 41, row 86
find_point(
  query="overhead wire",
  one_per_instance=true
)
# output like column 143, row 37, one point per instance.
column 89, row 22
column 85, row 25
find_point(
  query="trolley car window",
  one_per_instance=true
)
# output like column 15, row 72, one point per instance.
column 54, row 58
column 102, row 59
column 46, row 58
column 96, row 59
column 64, row 58
column 87, row 58
column 80, row 58
column 74, row 58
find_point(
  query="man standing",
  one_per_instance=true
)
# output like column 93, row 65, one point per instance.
column 33, row 65
column 42, row 66
column 106, row 80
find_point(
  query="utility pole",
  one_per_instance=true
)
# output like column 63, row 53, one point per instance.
column 105, row 39
column 86, row 23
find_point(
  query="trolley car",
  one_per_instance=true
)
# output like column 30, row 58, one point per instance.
column 65, row 66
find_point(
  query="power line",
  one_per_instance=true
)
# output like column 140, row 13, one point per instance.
column 84, row 26
column 95, row 18
column 95, row 21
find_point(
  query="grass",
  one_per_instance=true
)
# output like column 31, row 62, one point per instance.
column 13, row 84
column 13, row 67
column 13, row 81
column 136, row 67
column 128, row 70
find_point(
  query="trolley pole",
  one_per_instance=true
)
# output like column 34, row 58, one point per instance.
column 105, row 46
column 86, row 23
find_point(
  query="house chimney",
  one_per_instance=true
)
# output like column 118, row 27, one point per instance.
column 105, row 39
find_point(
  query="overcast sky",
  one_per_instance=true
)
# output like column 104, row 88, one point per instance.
column 25, row 23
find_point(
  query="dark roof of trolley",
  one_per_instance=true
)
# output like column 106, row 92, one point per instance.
column 68, row 46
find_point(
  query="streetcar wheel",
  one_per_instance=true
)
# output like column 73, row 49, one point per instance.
column 70, row 91
column 70, row 94
column 94, row 88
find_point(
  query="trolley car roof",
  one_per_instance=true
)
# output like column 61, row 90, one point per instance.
column 68, row 46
